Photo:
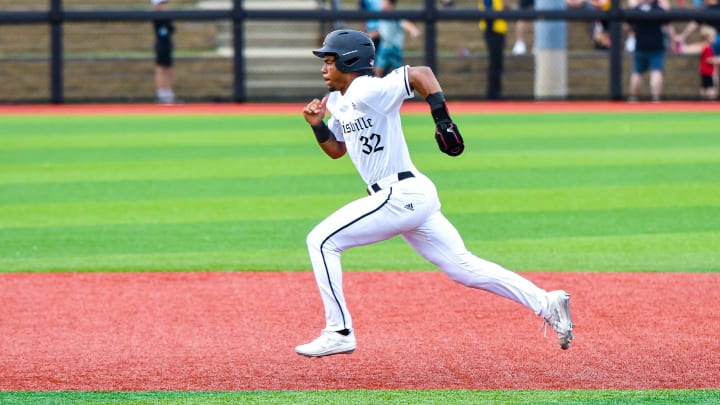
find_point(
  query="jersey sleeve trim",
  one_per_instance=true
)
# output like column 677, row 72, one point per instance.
column 406, row 79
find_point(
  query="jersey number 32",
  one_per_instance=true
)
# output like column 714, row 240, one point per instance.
column 372, row 144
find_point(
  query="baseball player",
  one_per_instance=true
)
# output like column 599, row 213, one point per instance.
column 364, row 123
column 164, row 73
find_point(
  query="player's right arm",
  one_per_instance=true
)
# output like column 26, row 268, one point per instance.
column 314, row 114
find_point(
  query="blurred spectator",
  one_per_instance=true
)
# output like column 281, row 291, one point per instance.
column 708, row 60
column 371, row 26
column 600, row 35
column 164, row 75
column 710, row 5
column 650, row 49
column 630, row 40
column 494, row 31
column 522, row 29
column 389, row 55
column 598, row 29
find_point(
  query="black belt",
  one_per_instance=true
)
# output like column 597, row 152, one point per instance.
column 400, row 176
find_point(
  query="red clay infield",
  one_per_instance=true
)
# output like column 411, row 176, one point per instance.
column 416, row 330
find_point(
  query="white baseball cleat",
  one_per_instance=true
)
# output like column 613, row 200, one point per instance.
column 558, row 317
column 328, row 343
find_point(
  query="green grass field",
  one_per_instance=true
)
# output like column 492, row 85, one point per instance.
column 604, row 397
column 534, row 192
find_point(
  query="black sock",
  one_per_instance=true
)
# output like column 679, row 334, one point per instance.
column 344, row 332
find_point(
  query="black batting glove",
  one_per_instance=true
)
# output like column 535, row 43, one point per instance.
column 447, row 134
column 448, row 138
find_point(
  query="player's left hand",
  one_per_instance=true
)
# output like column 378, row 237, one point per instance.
column 448, row 138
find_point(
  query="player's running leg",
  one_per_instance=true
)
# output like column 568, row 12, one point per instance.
column 438, row 241
column 361, row 222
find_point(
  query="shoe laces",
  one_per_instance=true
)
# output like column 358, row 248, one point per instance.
column 544, row 327
column 553, row 319
column 554, row 326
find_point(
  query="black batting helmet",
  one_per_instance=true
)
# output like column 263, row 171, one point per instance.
column 354, row 51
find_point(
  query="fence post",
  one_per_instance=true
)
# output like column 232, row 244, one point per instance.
column 56, row 52
column 550, row 53
column 616, row 53
column 430, row 20
column 238, row 24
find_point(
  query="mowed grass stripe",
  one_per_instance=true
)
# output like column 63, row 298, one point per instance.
column 662, row 252
column 204, row 188
column 97, row 131
column 577, row 176
column 662, row 126
column 679, row 252
column 582, row 198
column 295, row 259
column 43, row 148
column 285, row 233
column 262, row 166
column 240, row 167
column 525, row 178
column 675, row 252
column 147, row 154
column 319, row 205
column 60, row 132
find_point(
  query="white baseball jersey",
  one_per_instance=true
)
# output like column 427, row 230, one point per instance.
column 367, row 119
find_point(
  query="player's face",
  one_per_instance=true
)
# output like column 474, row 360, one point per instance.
column 334, row 78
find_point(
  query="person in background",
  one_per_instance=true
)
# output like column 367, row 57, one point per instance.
column 522, row 29
column 164, row 74
column 708, row 60
column 600, row 28
column 371, row 26
column 650, row 49
column 494, row 31
column 692, row 26
column 701, row 47
column 630, row 38
column 389, row 55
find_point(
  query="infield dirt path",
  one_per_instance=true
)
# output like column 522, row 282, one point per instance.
column 416, row 330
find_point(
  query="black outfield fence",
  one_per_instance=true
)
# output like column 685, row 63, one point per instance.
column 57, row 16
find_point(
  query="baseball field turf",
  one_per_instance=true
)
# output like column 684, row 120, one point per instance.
column 158, row 256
